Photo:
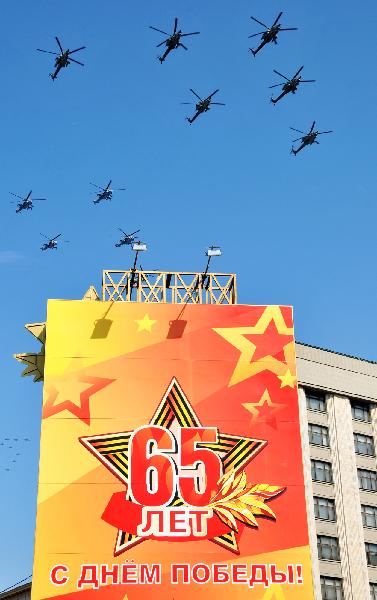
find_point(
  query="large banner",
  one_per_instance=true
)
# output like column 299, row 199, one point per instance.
column 171, row 462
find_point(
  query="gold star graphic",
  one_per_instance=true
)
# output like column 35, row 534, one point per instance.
column 246, row 367
column 265, row 401
column 145, row 324
column 288, row 379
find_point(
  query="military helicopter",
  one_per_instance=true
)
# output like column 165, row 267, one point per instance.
column 202, row 105
column 26, row 203
column 270, row 34
column 173, row 41
column 51, row 243
column 308, row 138
column 291, row 85
column 63, row 59
column 105, row 193
column 128, row 239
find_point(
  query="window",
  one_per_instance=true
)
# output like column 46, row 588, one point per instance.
column 360, row 412
column 321, row 471
column 371, row 552
column 331, row 588
column 324, row 508
column 367, row 480
column 369, row 516
column 373, row 591
column 318, row 435
column 364, row 444
column 328, row 547
column 315, row 401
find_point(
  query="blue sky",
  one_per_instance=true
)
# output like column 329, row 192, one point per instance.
column 296, row 230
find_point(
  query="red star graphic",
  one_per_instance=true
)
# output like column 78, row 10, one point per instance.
column 269, row 343
column 82, row 410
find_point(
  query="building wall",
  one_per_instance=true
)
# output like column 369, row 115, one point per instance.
column 342, row 382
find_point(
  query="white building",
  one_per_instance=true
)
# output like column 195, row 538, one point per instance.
column 338, row 411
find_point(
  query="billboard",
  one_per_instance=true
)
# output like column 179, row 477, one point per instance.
column 171, row 458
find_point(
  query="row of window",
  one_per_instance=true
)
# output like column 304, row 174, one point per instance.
column 322, row 472
column 319, row 436
column 317, row 401
column 324, row 509
column 328, row 549
column 332, row 589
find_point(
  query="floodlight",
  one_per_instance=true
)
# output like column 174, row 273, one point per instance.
column 213, row 251
column 139, row 247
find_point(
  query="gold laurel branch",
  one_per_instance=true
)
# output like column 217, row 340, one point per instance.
column 236, row 500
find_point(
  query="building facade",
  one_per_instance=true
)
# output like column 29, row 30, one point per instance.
column 338, row 412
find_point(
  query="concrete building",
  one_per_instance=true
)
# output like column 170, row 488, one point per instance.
column 338, row 412
column 20, row 592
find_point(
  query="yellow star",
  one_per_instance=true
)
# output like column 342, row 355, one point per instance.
column 145, row 324
column 252, row 407
column 245, row 367
column 287, row 380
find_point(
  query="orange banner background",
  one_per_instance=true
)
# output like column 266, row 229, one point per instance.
column 107, row 369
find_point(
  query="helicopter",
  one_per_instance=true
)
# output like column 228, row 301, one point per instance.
column 51, row 243
column 63, row 59
column 128, row 239
column 308, row 138
column 202, row 105
column 26, row 203
column 105, row 193
column 173, row 41
column 291, row 85
column 270, row 34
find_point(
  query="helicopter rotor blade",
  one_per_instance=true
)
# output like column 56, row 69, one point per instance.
column 175, row 25
column 59, row 44
column 298, row 130
column 107, row 187
column 213, row 93
column 162, row 43
column 133, row 233
column 76, row 61
column 307, row 80
column 255, row 34
column 159, row 30
column 195, row 94
column 39, row 199
column 183, row 46
column 56, row 237
column 322, row 132
column 187, row 103
column 193, row 33
column 277, row 19
column 312, row 127
column 289, row 29
column 119, row 190
column 97, row 186
column 77, row 49
column 16, row 195
column 45, row 236
column 280, row 74
column 47, row 51
column 28, row 196
column 218, row 103
column 260, row 22
column 296, row 140
column 276, row 85
column 299, row 71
